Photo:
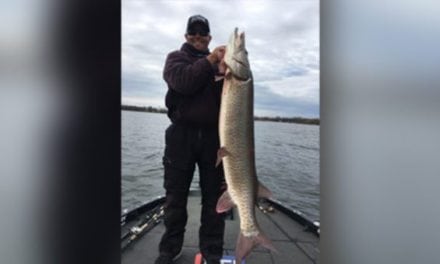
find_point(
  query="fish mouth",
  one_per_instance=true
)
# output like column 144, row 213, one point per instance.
column 240, row 62
column 239, row 67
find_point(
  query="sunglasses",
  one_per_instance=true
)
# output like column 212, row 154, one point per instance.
column 202, row 33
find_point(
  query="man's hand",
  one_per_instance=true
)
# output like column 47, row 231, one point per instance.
column 222, row 67
column 217, row 54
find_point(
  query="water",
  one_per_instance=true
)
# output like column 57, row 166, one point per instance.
column 287, row 160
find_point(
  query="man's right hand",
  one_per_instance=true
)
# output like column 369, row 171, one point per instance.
column 222, row 67
column 217, row 54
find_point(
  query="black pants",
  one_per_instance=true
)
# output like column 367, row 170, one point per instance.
column 185, row 147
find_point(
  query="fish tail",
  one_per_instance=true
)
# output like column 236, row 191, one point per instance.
column 246, row 244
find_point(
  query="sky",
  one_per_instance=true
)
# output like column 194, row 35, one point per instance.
column 282, row 40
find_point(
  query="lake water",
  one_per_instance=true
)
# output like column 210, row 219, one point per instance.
column 286, row 154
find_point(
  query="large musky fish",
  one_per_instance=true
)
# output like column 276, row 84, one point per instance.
column 236, row 151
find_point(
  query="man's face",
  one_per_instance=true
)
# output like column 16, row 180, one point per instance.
column 196, row 39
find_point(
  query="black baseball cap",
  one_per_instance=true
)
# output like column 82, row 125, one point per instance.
column 197, row 19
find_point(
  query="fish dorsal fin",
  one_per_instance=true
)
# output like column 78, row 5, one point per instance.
column 263, row 191
column 222, row 152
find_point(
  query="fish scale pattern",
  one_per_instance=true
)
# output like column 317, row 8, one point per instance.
column 237, row 134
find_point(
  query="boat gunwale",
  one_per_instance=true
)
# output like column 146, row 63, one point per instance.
column 141, row 209
column 294, row 214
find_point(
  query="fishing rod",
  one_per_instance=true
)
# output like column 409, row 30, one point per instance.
column 145, row 225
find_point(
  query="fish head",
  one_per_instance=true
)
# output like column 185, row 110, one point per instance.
column 236, row 56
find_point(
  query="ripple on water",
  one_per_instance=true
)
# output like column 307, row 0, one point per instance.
column 287, row 160
column 129, row 178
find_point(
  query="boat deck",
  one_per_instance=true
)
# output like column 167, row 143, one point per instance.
column 295, row 244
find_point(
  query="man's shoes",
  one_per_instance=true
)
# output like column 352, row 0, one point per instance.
column 211, row 261
column 164, row 259
column 167, row 259
column 177, row 256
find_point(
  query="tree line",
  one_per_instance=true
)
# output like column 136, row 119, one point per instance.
column 149, row 109
column 298, row 120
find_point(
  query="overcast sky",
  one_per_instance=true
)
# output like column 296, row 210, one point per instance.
column 282, row 38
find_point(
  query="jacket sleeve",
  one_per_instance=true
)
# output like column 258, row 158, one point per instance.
column 184, row 76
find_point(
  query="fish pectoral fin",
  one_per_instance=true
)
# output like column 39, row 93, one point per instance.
column 246, row 244
column 263, row 191
column 224, row 203
column 222, row 152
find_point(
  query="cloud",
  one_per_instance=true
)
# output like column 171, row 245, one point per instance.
column 282, row 38
column 268, row 103
column 143, row 101
column 303, row 87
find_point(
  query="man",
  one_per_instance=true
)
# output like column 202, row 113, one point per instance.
column 193, row 102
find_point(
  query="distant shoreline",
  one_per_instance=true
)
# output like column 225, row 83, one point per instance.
column 297, row 120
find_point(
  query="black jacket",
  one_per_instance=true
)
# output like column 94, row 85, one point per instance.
column 193, row 97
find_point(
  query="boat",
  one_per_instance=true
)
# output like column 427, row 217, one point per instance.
column 295, row 237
